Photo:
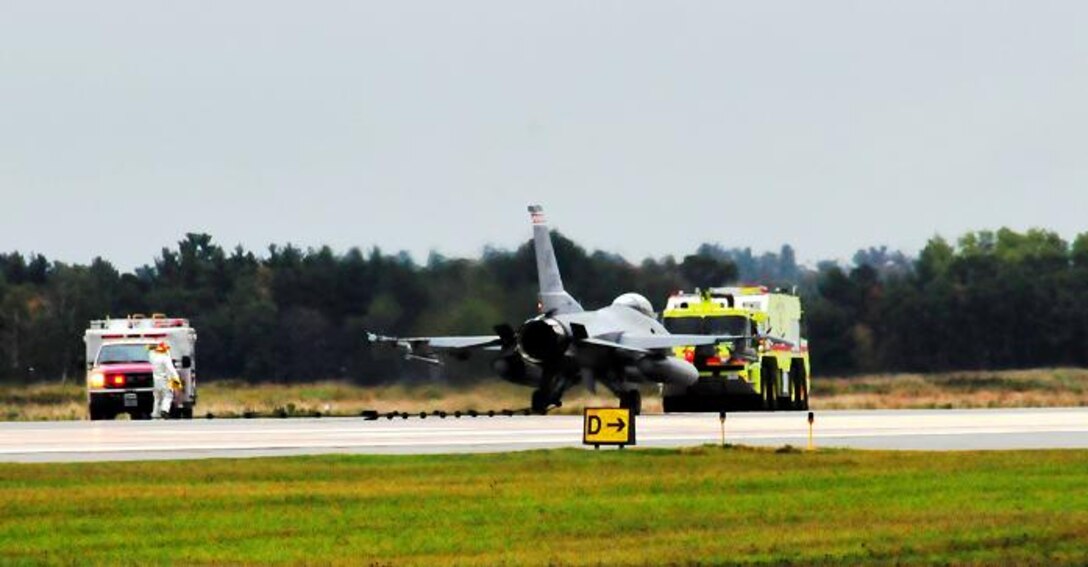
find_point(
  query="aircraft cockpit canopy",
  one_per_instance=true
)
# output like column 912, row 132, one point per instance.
column 636, row 302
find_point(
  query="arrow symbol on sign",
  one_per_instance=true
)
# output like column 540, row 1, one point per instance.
column 618, row 425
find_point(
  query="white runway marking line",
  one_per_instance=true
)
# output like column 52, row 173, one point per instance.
column 158, row 448
column 961, row 429
column 124, row 448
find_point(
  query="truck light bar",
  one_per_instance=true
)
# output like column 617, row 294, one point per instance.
column 135, row 336
column 140, row 322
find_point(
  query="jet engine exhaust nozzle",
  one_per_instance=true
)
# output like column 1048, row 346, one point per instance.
column 542, row 340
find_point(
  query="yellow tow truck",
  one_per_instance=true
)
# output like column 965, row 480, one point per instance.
column 767, row 369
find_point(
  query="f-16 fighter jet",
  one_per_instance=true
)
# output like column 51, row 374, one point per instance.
column 619, row 346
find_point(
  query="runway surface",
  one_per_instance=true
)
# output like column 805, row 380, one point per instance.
column 877, row 429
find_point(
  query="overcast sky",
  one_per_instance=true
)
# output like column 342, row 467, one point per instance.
column 644, row 128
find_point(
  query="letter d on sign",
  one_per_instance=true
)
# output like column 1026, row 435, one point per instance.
column 593, row 426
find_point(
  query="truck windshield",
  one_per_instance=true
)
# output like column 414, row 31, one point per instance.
column 123, row 353
column 684, row 325
column 733, row 325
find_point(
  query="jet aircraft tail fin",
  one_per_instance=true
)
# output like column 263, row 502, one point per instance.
column 553, row 298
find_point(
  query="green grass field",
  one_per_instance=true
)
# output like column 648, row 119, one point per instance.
column 705, row 505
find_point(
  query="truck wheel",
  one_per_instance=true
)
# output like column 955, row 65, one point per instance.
column 187, row 412
column 793, row 402
column 769, row 384
column 98, row 411
column 632, row 400
column 799, row 386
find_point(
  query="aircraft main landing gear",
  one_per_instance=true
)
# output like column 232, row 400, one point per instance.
column 632, row 400
column 540, row 402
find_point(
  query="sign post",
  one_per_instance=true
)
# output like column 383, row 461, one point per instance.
column 811, row 419
column 608, row 426
column 721, row 417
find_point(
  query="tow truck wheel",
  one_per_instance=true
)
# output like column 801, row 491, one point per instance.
column 799, row 386
column 632, row 400
column 769, row 380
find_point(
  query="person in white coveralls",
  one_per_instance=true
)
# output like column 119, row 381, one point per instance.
column 166, row 380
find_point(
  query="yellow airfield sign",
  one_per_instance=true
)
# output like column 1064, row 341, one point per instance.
column 608, row 426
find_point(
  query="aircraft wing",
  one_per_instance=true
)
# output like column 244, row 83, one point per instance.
column 658, row 342
column 438, row 343
column 424, row 349
column 603, row 343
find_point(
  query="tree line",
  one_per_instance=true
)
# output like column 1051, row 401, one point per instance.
column 991, row 299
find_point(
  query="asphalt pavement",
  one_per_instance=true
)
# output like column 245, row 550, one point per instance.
column 986, row 429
